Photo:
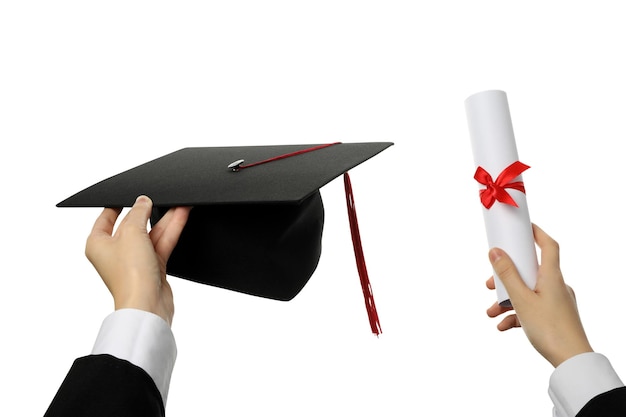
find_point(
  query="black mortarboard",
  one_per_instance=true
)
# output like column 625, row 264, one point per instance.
column 256, row 226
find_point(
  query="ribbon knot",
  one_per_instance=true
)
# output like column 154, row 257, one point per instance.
column 496, row 190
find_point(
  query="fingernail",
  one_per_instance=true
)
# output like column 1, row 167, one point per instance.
column 495, row 254
column 142, row 198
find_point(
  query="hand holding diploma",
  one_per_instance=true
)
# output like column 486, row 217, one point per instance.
column 583, row 382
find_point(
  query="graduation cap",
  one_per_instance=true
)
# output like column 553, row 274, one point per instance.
column 257, row 219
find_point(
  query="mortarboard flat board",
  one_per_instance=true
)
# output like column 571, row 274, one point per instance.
column 256, row 225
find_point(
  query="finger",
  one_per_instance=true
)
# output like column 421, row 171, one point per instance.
column 105, row 222
column 509, row 322
column 160, row 226
column 549, row 248
column 139, row 214
column 102, row 229
column 491, row 284
column 496, row 309
column 168, row 238
column 504, row 267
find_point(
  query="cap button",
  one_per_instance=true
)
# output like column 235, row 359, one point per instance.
column 235, row 165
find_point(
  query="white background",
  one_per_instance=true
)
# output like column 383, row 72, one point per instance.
column 89, row 89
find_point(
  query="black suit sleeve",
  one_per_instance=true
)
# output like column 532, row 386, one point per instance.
column 103, row 385
column 609, row 404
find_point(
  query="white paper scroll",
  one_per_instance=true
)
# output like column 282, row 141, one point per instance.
column 494, row 148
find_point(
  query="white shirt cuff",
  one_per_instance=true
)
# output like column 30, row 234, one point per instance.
column 142, row 338
column 579, row 379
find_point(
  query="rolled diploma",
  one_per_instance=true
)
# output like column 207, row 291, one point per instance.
column 494, row 149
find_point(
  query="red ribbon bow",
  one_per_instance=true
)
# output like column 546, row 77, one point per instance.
column 496, row 189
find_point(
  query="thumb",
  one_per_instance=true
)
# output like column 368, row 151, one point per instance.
column 139, row 213
column 506, row 270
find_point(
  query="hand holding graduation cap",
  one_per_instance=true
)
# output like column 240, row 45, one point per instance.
column 132, row 261
column 548, row 315
column 256, row 230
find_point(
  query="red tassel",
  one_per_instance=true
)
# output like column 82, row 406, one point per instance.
column 368, row 295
